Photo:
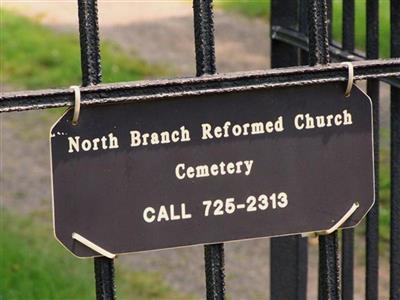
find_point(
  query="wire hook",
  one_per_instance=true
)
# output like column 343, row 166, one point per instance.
column 336, row 226
column 350, row 78
column 92, row 245
column 77, row 103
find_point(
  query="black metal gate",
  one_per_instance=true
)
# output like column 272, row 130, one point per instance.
column 301, row 35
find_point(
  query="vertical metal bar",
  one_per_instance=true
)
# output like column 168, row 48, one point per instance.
column 348, row 264
column 289, row 268
column 372, row 230
column 395, row 160
column 318, row 33
column 214, row 268
column 104, row 276
column 90, row 43
column 91, row 75
column 284, row 13
column 348, row 25
column 204, row 37
column 303, row 28
column 205, row 64
column 348, row 234
column 329, row 281
column 288, row 254
column 330, row 19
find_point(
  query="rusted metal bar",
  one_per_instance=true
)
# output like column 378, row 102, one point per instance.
column 204, row 37
column 221, row 83
column 205, row 65
column 318, row 33
column 300, row 40
column 372, row 224
column 329, row 280
column 348, row 234
column 104, row 278
column 91, row 75
column 90, row 42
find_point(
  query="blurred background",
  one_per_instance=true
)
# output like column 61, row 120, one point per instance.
column 140, row 40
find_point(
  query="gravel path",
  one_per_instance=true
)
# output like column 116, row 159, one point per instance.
column 162, row 32
column 160, row 35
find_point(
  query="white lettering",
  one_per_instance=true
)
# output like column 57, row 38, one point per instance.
column 298, row 122
column 162, row 214
column 113, row 141
column 306, row 121
column 86, row 145
column 216, row 169
column 347, row 118
column 135, row 138
column 154, row 138
column 183, row 212
column 206, row 131
column 149, row 214
column 172, row 212
column 249, row 165
column 75, row 144
column 178, row 174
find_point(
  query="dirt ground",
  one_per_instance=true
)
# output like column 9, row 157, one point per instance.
column 160, row 32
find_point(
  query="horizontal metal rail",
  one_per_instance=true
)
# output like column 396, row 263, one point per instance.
column 222, row 83
column 300, row 40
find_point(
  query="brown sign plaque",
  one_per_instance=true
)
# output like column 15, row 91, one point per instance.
column 212, row 168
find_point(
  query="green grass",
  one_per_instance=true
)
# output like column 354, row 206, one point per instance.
column 32, row 263
column 360, row 24
column 250, row 8
column 33, row 56
column 261, row 8
column 34, row 266
column 384, row 191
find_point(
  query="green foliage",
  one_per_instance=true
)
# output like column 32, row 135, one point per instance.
column 250, row 8
column 34, row 266
column 360, row 24
column 33, row 56
column 384, row 189
column 261, row 8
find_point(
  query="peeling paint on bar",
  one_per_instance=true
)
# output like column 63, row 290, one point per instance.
column 221, row 83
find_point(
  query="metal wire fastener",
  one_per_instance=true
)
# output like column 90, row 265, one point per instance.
column 77, row 103
column 350, row 77
column 336, row 226
column 93, row 246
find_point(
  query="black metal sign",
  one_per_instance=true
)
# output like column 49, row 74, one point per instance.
column 205, row 169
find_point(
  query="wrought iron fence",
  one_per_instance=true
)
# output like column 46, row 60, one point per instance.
column 301, row 35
